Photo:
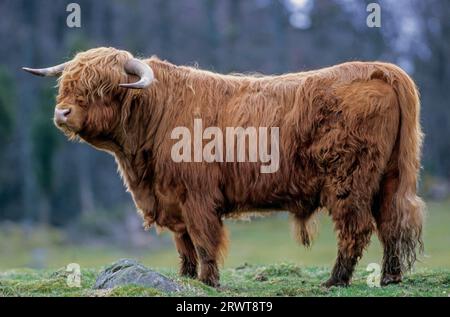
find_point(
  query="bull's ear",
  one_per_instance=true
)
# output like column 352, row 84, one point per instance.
column 53, row 71
column 138, row 68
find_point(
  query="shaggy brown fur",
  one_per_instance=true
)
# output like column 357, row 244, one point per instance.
column 350, row 143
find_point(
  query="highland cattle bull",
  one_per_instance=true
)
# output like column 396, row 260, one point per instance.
column 349, row 143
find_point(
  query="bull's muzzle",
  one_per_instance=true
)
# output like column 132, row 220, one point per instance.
column 61, row 115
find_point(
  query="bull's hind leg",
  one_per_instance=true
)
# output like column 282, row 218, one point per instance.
column 354, row 225
column 399, row 238
column 355, row 159
column 188, row 255
column 349, row 199
column 208, row 236
column 382, row 209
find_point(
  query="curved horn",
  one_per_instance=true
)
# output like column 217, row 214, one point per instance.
column 140, row 69
column 47, row 72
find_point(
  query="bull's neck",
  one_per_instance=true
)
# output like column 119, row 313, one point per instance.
column 142, row 113
column 143, row 128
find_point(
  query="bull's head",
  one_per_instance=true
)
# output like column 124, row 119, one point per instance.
column 91, row 89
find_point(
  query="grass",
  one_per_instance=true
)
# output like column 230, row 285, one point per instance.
column 284, row 279
column 262, row 260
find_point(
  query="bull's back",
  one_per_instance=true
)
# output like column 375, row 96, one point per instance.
column 322, row 129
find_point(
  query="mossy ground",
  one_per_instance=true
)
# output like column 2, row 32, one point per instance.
column 283, row 279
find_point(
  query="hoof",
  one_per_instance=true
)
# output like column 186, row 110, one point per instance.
column 390, row 279
column 210, row 282
column 334, row 282
column 189, row 274
column 222, row 288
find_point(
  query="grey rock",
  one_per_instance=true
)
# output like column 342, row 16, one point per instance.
column 130, row 272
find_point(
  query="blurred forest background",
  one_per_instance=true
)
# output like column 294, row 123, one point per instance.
column 58, row 195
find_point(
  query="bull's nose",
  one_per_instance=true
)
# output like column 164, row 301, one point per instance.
column 61, row 115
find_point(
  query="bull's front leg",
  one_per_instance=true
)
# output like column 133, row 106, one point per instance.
column 207, row 233
column 188, row 255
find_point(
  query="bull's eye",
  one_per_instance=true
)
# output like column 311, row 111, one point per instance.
column 81, row 101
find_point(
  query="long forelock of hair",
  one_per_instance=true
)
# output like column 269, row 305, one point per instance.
column 95, row 73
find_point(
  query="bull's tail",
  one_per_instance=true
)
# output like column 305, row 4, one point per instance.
column 402, row 211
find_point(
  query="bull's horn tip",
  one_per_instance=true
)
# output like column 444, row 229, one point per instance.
column 32, row 71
